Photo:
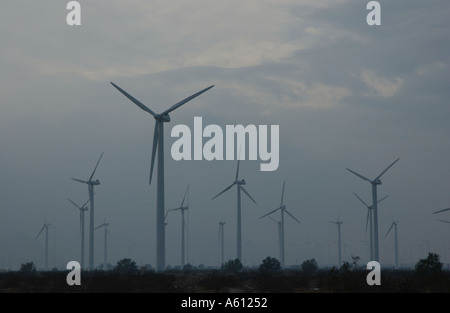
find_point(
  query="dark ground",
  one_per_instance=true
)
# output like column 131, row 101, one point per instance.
column 215, row 281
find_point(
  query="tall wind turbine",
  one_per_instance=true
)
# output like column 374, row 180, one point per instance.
column 91, row 183
column 339, row 223
column 46, row 225
column 105, row 251
column 283, row 210
column 375, row 182
column 222, row 242
column 369, row 221
column 394, row 224
column 158, row 143
column 182, row 209
column 82, row 209
column 240, row 186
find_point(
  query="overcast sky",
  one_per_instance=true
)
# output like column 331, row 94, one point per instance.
column 343, row 93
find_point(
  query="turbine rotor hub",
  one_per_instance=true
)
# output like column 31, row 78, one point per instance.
column 162, row 118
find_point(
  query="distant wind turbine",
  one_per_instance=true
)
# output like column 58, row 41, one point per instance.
column 222, row 242
column 158, row 143
column 82, row 209
column 369, row 221
column 283, row 210
column 240, row 186
column 394, row 224
column 182, row 209
column 339, row 223
column 46, row 225
column 91, row 183
column 105, row 251
column 375, row 182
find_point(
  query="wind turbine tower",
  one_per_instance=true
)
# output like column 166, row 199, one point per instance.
column 182, row 208
column 158, row 144
column 394, row 224
column 339, row 223
column 46, row 225
column 283, row 210
column 222, row 243
column 369, row 221
column 105, row 248
column 240, row 186
column 82, row 209
column 91, row 183
column 375, row 182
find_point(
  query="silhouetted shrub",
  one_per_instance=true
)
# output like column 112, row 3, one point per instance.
column 28, row 268
column 126, row 267
column 309, row 266
column 232, row 266
column 429, row 266
column 270, row 264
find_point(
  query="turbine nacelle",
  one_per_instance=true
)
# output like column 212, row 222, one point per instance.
column 240, row 182
column 165, row 118
column 94, row 182
column 377, row 182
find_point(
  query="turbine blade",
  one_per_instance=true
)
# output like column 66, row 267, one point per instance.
column 74, row 203
column 273, row 211
column 441, row 211
column 155, row 145
column 292, row 216
column 245, row 191
column 282, row 193
column 367, row 206
column 81, row 221
column 226, row 189
column 382, row 199
column 273, row 219
column 80, row 181
column 359, row 175
column 387, row 168
column 339, row 216
column 444, row 221
column 137, row 102
column 390, row 228
column 84, row 205
column 237, row 170
column 42, row 229
column 92, row 175
column 99, row 226
column 367, row 219
column 182, row 202
column 177, row 105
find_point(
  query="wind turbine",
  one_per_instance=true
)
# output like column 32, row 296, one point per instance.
column 375, row 182
column 339, row 223
column 283, row 210
column 82, row 209
column 91, row 183
column 46, row 225
column 369, row 221
column 158, row 143
column 182, row 209
column 240, row 186
column 394, row 224
column 222, row 242
column 107, row 233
